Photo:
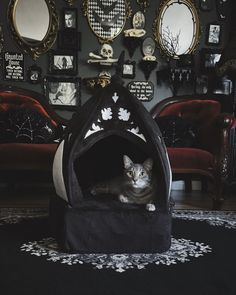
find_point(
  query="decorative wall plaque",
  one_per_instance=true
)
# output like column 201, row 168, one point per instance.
column 13, row 66
column 143, row 90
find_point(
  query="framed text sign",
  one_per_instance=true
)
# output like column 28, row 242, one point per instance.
column 143, row 90
column 13, row 66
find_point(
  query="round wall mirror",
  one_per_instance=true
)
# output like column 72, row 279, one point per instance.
column 106, row 18
column 34, row 25
column 177, row 28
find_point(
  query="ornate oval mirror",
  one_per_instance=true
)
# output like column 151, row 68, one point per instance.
column 34, row 25
column 106, row 18
column 177, row 28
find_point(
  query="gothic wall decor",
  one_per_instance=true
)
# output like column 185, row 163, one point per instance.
column 106, row 18
column 177, row 35
column 34, row 25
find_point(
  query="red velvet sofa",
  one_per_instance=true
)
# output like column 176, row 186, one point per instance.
column 25, row 159
column 208, row 159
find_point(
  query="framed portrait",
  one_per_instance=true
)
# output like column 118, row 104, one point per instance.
column 69, row 18
column 62, row 62
column 34, row 74
column 69, row 40
column 128, row 69
column 63, row 92
column 213, row 34
column 209, row 59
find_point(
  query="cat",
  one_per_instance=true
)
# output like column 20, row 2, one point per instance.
column 136, row 186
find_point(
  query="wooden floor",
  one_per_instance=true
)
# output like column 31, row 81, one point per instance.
column 32, row 195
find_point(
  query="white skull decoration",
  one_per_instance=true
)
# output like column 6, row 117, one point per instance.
column 106, row 51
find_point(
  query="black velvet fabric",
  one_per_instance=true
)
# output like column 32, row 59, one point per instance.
column 26, row 125
column 110, row 227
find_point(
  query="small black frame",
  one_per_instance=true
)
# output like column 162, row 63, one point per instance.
column 213, row 34
column 63, row 62
column 69, row 18
column 209, row 58
column 34, row 74
column 128, row 69
column 63, row 92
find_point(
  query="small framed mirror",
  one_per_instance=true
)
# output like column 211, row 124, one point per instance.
column 106, row 18
column 34, row 25
column 177, row 27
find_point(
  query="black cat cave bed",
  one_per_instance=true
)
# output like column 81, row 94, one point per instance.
column 109, row 125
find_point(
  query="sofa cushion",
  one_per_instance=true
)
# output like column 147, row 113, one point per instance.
column 176, row 131
column 190, row 159
column 26, row 125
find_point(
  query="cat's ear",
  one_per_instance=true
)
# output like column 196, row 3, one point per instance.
column 127, row 162
column 147, row 164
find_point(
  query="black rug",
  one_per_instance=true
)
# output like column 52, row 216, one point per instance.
column 201, row 261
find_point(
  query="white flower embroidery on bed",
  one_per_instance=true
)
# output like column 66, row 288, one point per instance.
column 181, row 251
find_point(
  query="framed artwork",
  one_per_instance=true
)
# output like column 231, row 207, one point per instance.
column 213, row 34
column 223, row 86
column 34, row 74
column 106, row 20
column 63, row 92
column 128, row 69
column 62, row 62
column 69, row 40
column 209, row 58
column 13, row 66
column 69, row 18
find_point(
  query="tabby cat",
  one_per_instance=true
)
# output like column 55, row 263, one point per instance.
column 136, row 186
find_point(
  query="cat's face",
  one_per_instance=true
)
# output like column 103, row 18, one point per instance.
column 139, row 175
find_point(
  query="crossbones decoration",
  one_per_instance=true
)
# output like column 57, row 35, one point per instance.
column 105, row 57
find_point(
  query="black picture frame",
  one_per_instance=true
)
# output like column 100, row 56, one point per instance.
column 69, row 40
column 13, row 66
column 63, row 93
column 209, row 59
column 128, row 69
column 223, row 85
column 69, row 18
column 63, row 62
column 34, row 74
column 213, row 36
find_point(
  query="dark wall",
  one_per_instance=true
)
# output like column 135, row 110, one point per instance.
column 89, row 42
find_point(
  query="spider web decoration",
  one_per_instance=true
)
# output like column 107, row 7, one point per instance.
column 106, row 17
column 27, row 126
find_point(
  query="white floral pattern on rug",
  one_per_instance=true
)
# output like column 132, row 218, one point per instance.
column 181, row 251
column 215, row 218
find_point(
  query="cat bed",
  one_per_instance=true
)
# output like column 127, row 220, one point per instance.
column 113, row 123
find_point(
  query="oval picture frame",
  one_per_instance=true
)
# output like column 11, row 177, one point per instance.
column 106, row 21
column 169, row 31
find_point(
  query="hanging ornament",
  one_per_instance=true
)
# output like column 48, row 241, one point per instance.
column 149, row 62
column 132, row 39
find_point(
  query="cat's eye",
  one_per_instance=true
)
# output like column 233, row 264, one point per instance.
column 129, row 173
column 142, row 173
